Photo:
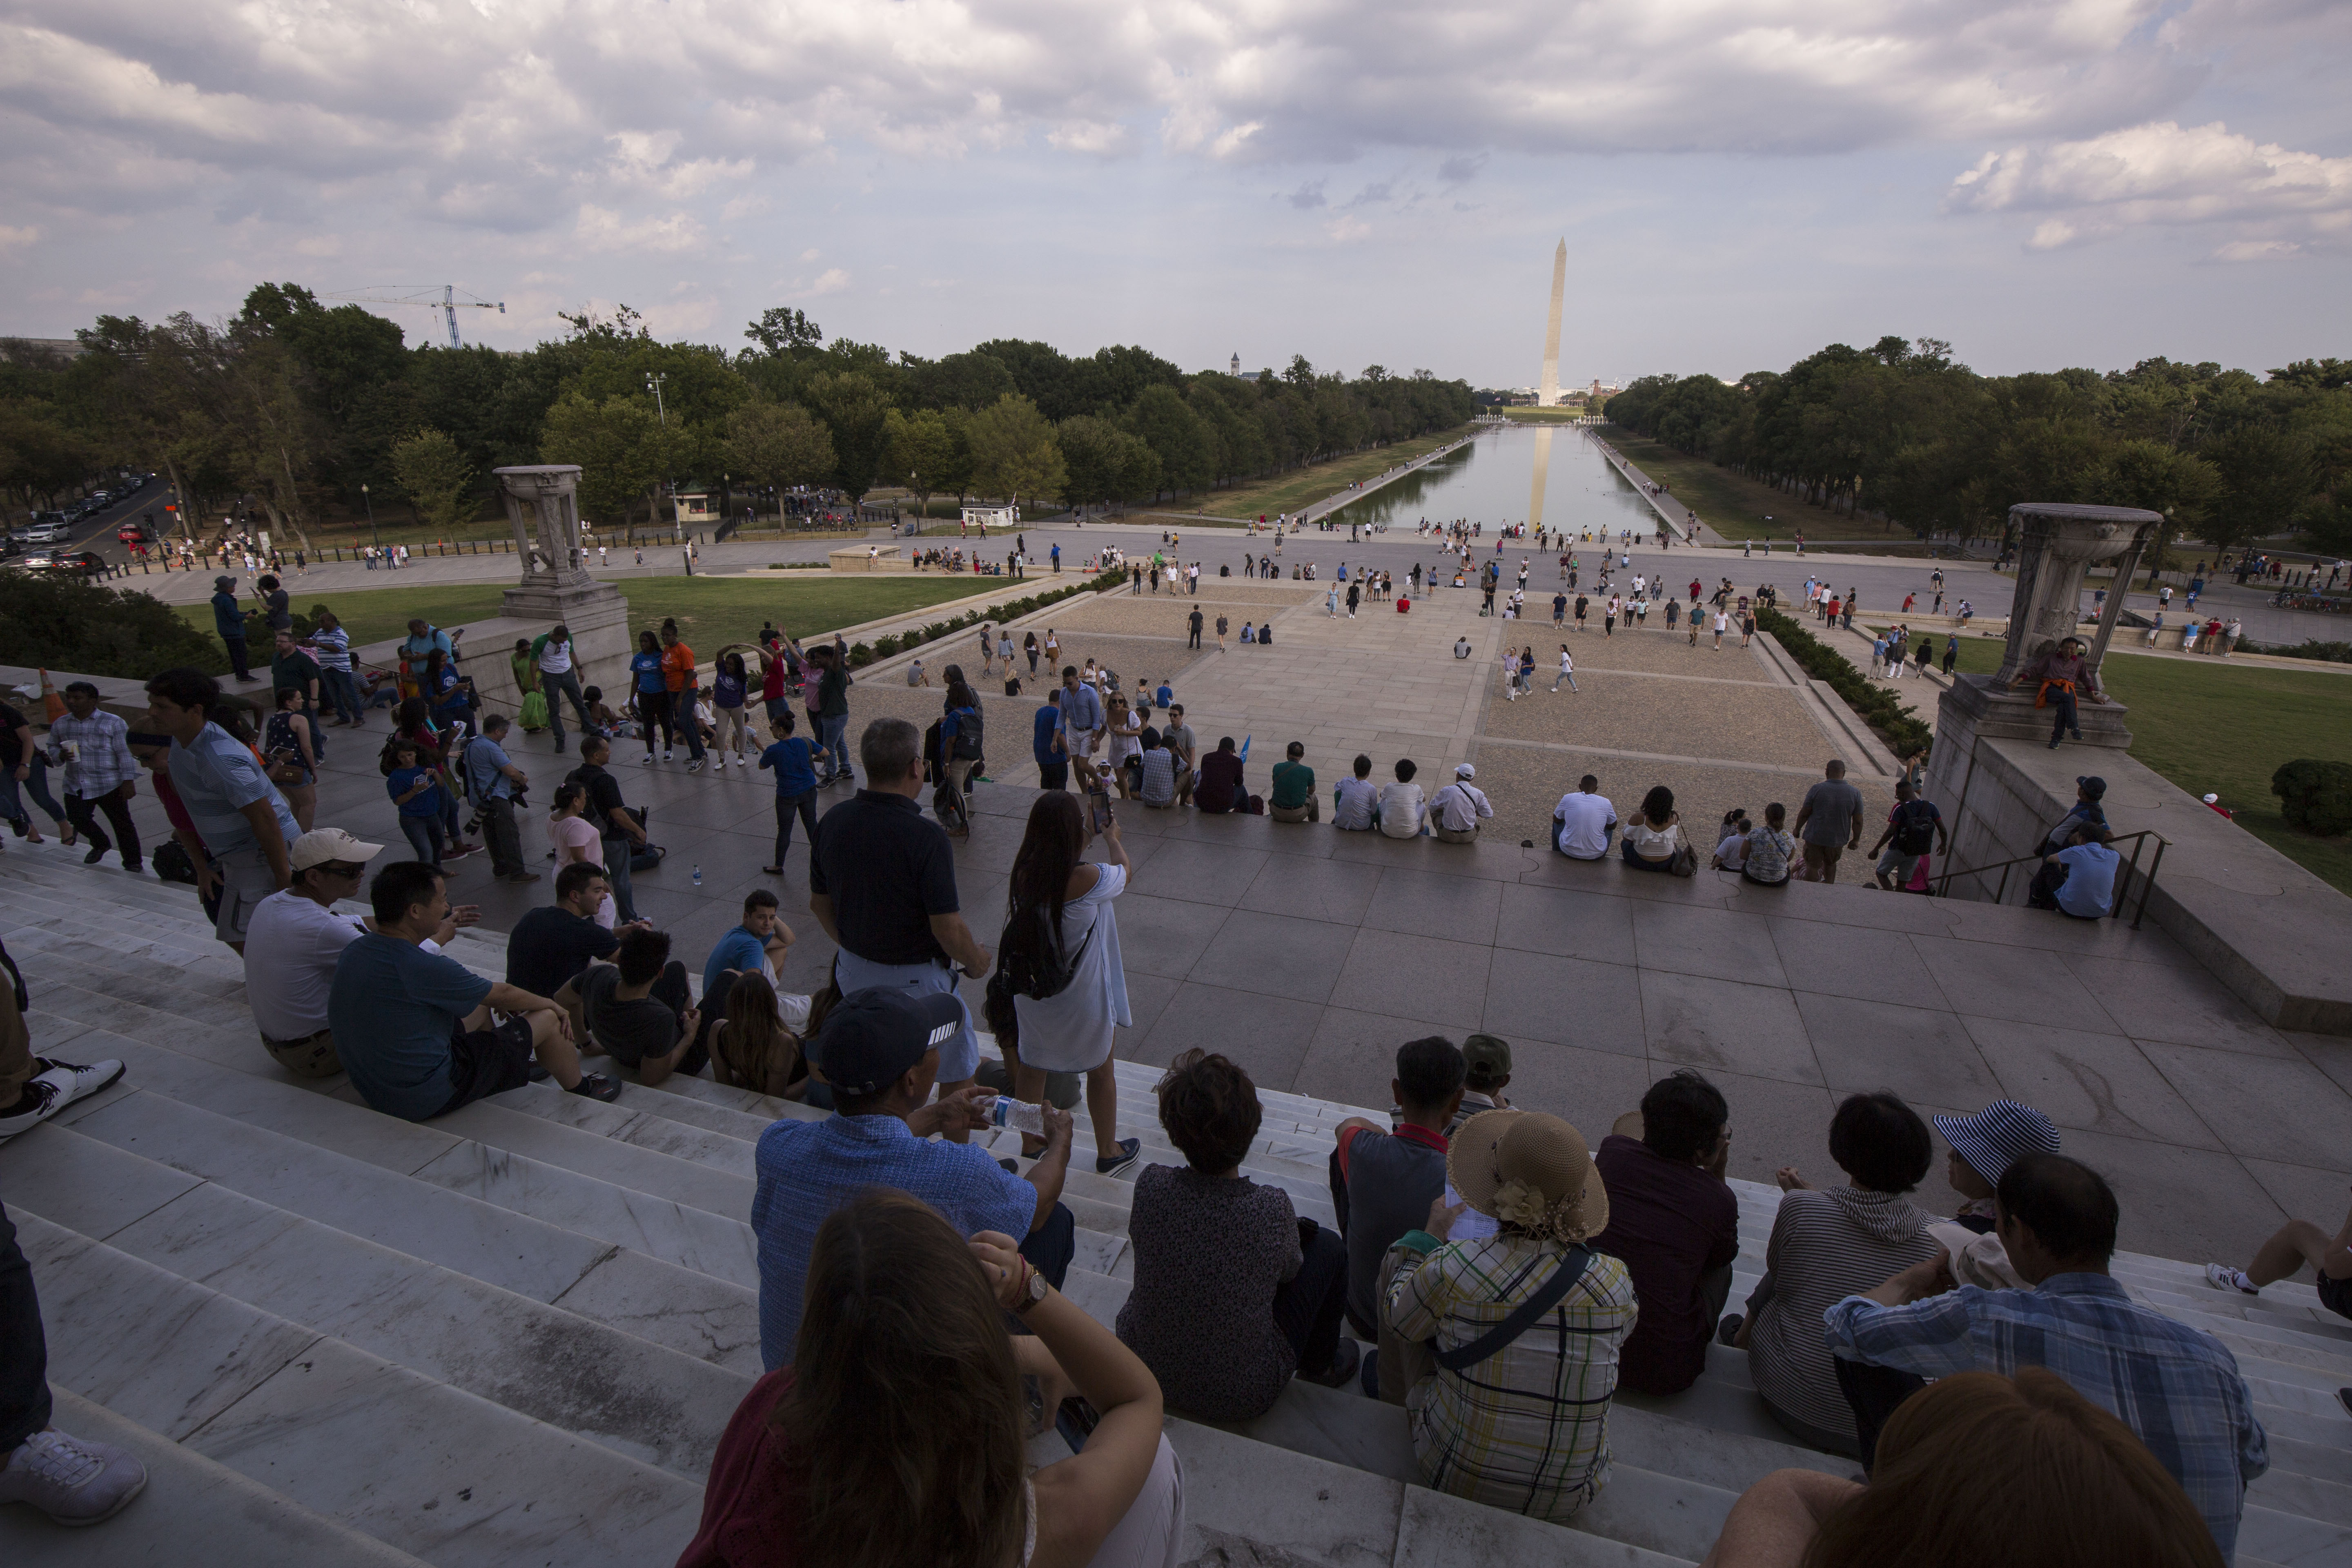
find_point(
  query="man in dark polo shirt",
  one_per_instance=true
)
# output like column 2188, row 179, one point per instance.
column 1674, row 1224
column 882, row 884
column 1384, row 1180
column 553, row 944
column 623, row 838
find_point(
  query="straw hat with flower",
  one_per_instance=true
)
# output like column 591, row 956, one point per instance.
column 1531, row 1172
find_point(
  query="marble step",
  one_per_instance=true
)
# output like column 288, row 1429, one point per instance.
column 195, row 1513
column 548, row 1362
column 1252, row 1503
column 313, row 1418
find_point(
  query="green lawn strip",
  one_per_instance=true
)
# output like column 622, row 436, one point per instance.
column 1734, row 505
column 2215, row 727
column 1296, row 490
column 710, row 610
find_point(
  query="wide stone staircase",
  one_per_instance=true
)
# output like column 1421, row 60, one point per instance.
column 513, row 1336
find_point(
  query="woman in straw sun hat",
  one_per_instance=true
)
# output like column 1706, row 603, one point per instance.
column 1504, row 1346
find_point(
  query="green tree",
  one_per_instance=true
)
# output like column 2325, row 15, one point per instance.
column 622, row 450
column 1014, row 453
column 1105, row 462
column 782, row 330
column 779, row 444
column 919, row 451
column 854, row 409
column 433, row 472
column 2267, row 476
column 1185, row 446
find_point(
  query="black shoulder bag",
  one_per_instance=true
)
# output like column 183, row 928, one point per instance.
column 1493, row 1342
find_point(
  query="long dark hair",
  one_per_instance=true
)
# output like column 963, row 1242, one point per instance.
column 906, row 1412
column 1031, row 942
column 755, row 1051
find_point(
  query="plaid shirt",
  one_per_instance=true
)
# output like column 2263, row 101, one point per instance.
column 105, row 760
column 2177, row 1387
column 1528, row 1428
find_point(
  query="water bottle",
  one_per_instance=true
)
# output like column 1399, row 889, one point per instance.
column 697, row 875
column 1019, row 1115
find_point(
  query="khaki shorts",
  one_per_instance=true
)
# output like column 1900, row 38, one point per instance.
column 310, row 1056
column 1310, row 812
column 1458, row 835
column 1822, row 860
column 244, row 880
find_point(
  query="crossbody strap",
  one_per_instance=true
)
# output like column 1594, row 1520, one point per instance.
column 1492, row 1343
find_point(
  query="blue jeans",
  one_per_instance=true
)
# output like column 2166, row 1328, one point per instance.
column 616, row 871
column 1633, row 857
column 23, row 1353
column 37, row 785
column 424, row 836
column 341, row 693
column 556, row 685
column 835, row 729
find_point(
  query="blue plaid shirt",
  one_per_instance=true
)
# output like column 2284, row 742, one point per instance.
column 808, row 1169
column 2177, row 1387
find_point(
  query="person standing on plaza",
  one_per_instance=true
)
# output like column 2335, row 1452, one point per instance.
column 1193, row 621
column 618, row 830
column 492, row 778
column 1060, row 985
column 24, row 769
column 651, row 690
column 242, row 820
column 1828, row 823
column 831, row 710
column 559, row 679
column 1081, row 718
column 228, row 623
column 679, row 678
column 794, row 761
column 882, row 883
column 330, row 645
column 101, row 774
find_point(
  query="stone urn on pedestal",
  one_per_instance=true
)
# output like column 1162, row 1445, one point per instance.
column 2058, row 545
column 543, row 509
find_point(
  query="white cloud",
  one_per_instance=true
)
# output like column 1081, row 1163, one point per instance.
column 601, row 228
column 12, row 237
column 831, row 281
column 1345, row 229
column 2271, row 199
column 320, row 245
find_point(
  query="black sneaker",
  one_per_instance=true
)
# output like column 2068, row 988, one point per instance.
column 94, row 857
column 598, row 1086
column 1129, row 1148
column 1345, row 1365
column 1729, row 1330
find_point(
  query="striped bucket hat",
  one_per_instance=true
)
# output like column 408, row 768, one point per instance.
column 2001, row 1131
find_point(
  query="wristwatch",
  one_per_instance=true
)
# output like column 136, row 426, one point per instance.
column 1031, row 1293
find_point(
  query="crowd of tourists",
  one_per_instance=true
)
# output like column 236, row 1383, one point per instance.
column 1488, row 1269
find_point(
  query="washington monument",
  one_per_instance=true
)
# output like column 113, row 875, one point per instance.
column 1549, row 396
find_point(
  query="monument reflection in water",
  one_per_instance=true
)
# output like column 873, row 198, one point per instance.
column 1538, row 474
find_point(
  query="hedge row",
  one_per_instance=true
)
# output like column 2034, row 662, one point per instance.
column 1895, row 723
column 862, row 654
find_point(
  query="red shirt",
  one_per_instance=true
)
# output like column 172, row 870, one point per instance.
column 751, row 1504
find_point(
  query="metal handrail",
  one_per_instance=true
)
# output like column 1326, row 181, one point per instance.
column 1942, row 884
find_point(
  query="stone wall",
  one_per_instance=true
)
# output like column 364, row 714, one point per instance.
column 2268, row 929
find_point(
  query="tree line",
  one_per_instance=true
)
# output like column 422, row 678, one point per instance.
column 1902, row 432
column 297, row 404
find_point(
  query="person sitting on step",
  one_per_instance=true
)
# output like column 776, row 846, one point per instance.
column 1675, row 1224
column 1233, row 1291
column 1503, row 1335
column 894, row 1430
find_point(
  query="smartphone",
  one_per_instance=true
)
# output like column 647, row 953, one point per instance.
column 1101, row 815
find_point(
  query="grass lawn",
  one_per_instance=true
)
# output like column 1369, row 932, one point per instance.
column 1735, row 505
column 710, row 610
column 2214, row 727
column 1294, row 489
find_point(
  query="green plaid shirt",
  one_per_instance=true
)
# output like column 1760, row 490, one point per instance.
column 1528, row 1428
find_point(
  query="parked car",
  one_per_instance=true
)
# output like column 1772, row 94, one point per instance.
column 82, row 562
column 136, row 530
column 56, row 532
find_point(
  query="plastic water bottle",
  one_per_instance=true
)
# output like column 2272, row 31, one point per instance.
column 1019, row 1115
column 697, row 875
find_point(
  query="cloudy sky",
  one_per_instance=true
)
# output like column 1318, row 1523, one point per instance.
column 2041, row 182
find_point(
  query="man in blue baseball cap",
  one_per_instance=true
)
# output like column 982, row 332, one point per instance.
column 879, row 1050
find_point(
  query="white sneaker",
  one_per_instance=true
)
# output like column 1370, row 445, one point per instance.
column 72, row 1481
column 666, row 757
column 2221, row 1277
column 54, row 1085
column 648, row 761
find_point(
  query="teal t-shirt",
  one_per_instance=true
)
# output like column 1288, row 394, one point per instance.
column 394, row 1009
column 1293, row 782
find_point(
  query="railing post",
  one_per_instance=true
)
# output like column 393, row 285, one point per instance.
column 2149, row 886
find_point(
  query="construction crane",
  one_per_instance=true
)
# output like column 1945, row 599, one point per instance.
column 442, row 298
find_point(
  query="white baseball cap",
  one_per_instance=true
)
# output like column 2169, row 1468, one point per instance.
column 321, row 844
column 1464, row 770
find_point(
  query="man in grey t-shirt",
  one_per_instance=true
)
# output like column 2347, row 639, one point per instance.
column 1828, row 823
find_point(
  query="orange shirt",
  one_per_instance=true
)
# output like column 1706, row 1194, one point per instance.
column 677, row 665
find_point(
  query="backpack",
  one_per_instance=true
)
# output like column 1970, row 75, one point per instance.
column 172, row 864
column 1914, row 829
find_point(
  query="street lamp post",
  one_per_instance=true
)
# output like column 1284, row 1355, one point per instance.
column 369, row 501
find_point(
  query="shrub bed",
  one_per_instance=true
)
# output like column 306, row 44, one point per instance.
column 2316, row 796
column 63, row 623
column 861, row 655
column 1893, row 722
